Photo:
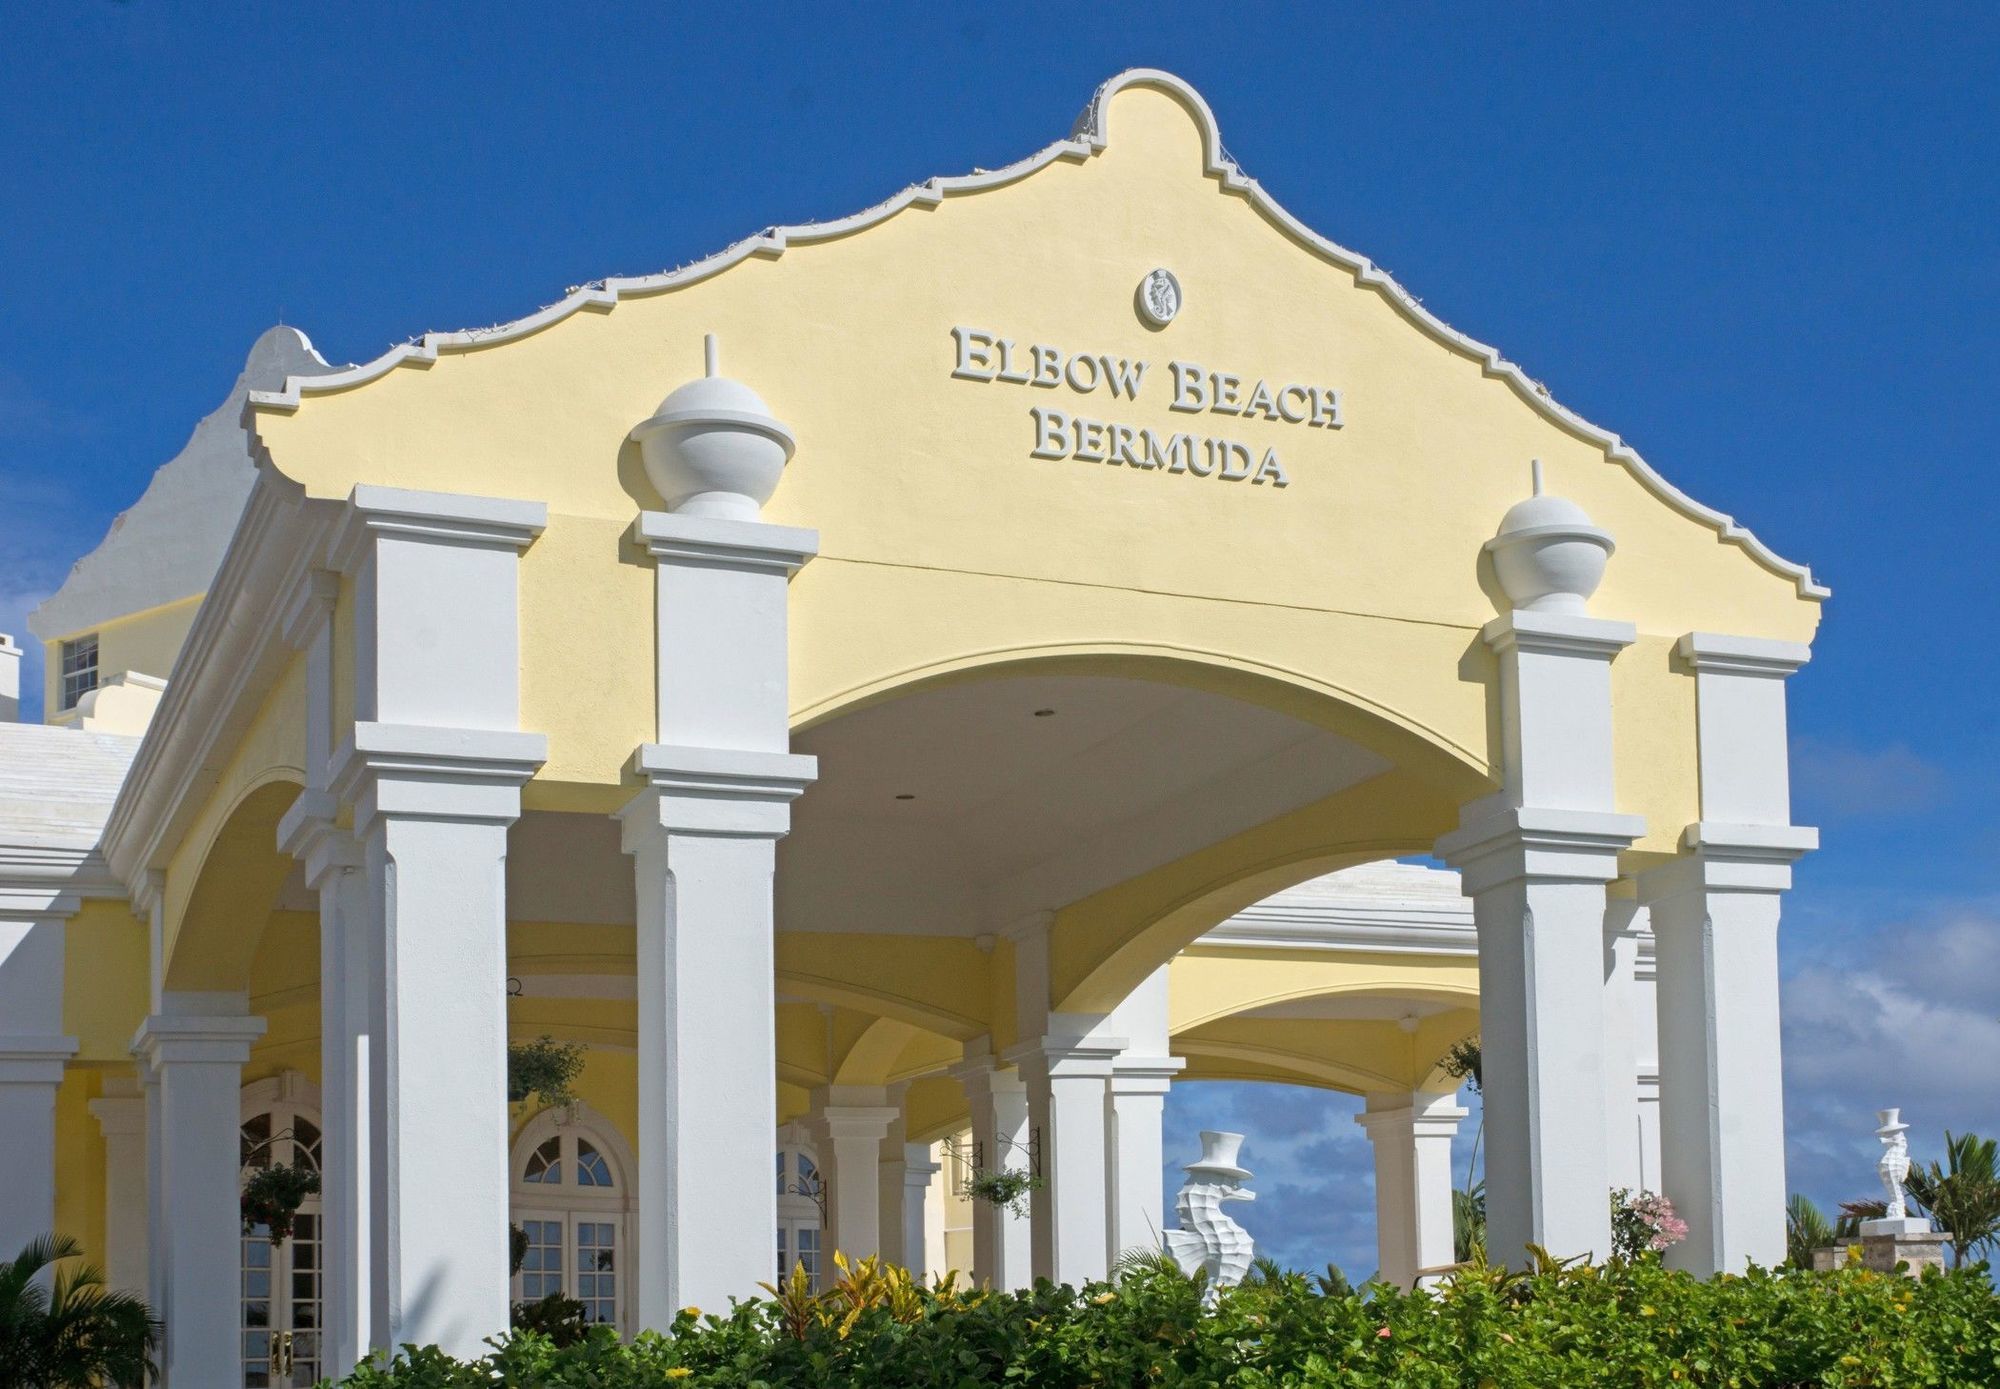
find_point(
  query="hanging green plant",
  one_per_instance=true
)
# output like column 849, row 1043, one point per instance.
column 517, row 1248
column 272, row 1197
column 1465, row 1061
column 544, row 1067
column 1004, row 1187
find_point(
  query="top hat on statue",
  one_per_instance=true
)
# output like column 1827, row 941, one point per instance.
column 1218, row 1157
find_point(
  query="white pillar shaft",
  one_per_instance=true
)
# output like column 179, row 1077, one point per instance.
column 1137, row 1168
column 121, row 1116
column 1067, row 1106
column 436, row 890
column 1412, row 1137
column 32, row 1053
column 1715, row 923
column 854, row 1192
column 27, row 1147
column 1623, row 1160
column 906, row 1221
column 347, row 994
column 1722, row 1116
column 198, row 1065
column 1002, row 1241
column 1541, row 1021
column 707, row 1072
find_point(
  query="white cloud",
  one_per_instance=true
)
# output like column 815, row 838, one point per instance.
column 1910, row 1019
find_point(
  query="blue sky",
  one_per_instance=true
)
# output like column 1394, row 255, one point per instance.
column 1758, row 242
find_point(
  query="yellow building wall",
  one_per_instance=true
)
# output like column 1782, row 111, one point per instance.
column 147, row 642
column 945, row 547
column 79, row 1163
column 106, row 963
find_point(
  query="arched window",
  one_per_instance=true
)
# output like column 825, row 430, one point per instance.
column 572, row 1197
column 280, row 1287
column 800, row 1192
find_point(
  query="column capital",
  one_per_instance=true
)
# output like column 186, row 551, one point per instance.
column 982, row 1072
column 34, row 1060
column 869, row 1123
column 727, row 792
column 120, row 1114
column 444, row 517
column 310, row 833
column 1144, row 1075
column 1731, row 858
column 165, row 1039
column 1064, row 1057
column 1499, row 844
column 1413, row 1115
column 722, row 543
column 1557, row 634
column 1753, row 656
column 408, row 771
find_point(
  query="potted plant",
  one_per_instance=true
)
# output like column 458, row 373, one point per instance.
column 1003, row 1186
column 272, row 1197
column 545, row 1068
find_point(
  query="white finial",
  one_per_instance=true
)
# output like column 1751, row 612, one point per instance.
column 713, row 448
column 1534, row 467
column 711, row 367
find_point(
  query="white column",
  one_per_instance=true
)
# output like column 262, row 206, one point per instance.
column 1002, row 1242
column 33, row 1051
column 196, row 1046
column 121, row 1117
column 433, row 767
column 907, row 1173
column 1624, row 1163
column 1141, row 1075
column 335, row 869
column 1715, row 912
column 1535, row 860
column 849, row 1123
column 1412, row 1134
column 703, row 836
column 1068, row 1073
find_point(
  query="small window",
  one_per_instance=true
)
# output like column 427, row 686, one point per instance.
column 79, row 669
column 591, row 1169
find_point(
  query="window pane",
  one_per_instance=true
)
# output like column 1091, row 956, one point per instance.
column 79, row 669
column 545, row 1163
column 781, row 1171
column 591, row 1168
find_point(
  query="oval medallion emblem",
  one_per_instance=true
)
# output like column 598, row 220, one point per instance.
column 1159, row 298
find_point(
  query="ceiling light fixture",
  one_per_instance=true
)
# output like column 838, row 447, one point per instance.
column 1045, row 713
column 904, row 796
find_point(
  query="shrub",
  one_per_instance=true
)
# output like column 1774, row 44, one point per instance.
column 1627, row 1323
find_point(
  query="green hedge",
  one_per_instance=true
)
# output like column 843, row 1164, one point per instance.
column 1621, row 1325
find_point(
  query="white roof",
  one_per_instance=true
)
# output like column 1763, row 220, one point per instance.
column 57, row 785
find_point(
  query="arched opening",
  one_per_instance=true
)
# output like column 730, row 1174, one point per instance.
column 280, row 1292
column 571, row 1197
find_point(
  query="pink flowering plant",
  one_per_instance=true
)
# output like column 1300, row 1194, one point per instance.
column 1643, row 1223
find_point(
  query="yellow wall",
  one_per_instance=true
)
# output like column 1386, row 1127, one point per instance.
column 944, row 546
column 147, row 642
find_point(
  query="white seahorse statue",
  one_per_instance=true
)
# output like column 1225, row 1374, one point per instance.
column 1208, row 1238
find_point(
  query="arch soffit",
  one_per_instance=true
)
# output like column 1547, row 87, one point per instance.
column 232, row 881
column 1417, row 989
column 1089, row 138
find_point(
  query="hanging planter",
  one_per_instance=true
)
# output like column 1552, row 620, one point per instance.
column 1003, row 1187
column 272, row 1197
column 545, row 1068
